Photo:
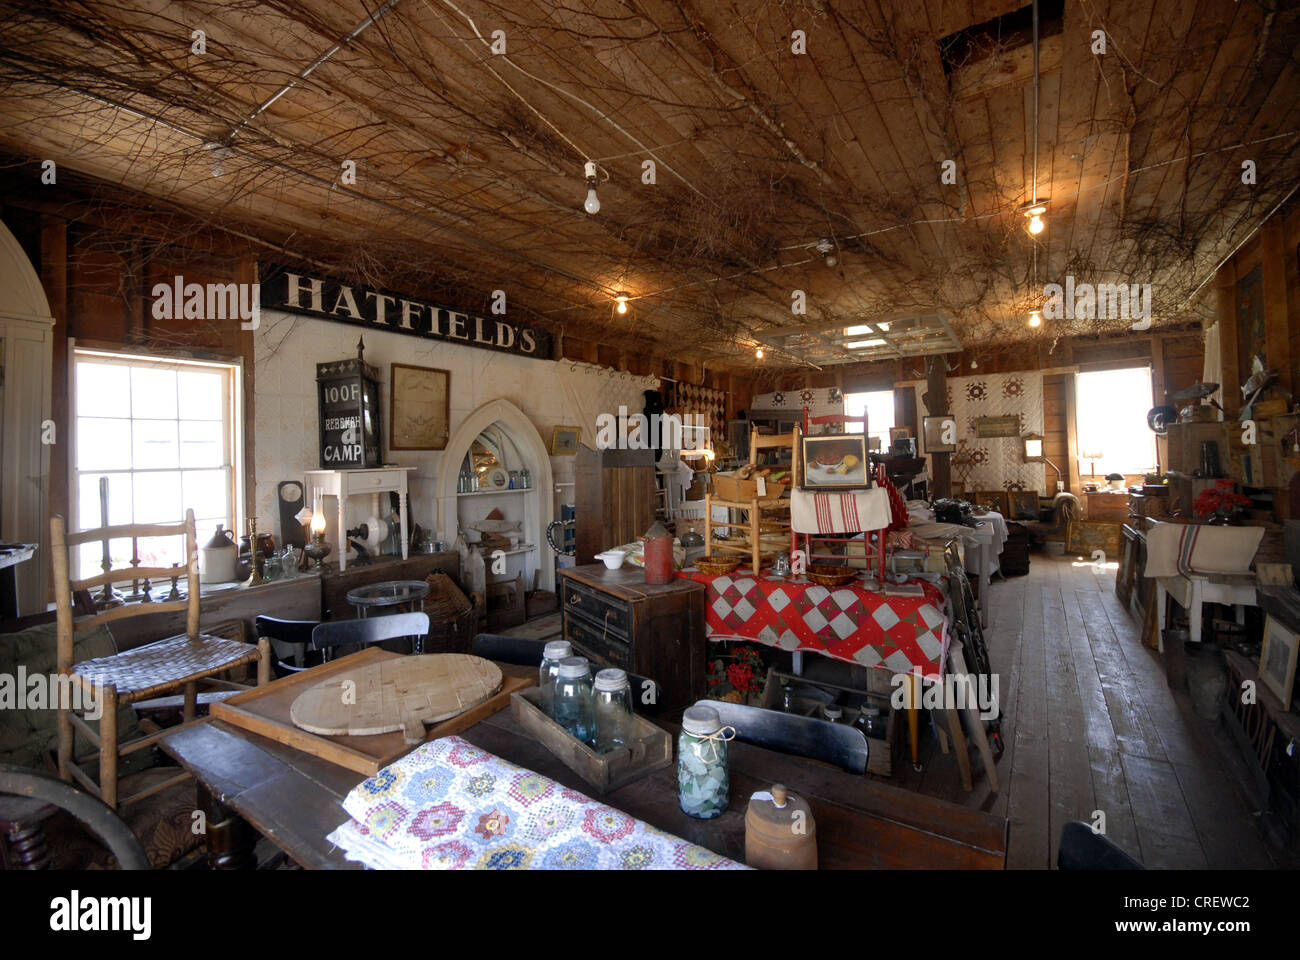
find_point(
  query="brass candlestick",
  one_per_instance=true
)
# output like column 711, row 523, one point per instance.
column 255, row 577
column 109, row 596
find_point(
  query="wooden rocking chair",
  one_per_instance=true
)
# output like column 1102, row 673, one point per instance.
column 176, row 663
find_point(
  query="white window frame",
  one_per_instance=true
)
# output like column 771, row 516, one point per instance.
column 233, row 424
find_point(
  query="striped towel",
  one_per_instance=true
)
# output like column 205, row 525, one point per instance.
column 1179, row 549
column 851, row 512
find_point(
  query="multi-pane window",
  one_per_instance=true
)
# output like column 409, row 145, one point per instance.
column 163, row 434
column 1111, row 411
column 878, row 405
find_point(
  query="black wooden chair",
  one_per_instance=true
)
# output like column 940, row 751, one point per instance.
column 290, row 640
column 527, row 652
column 363, row 632
column 834, row 743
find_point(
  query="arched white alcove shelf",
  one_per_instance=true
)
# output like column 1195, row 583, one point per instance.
column 512, row 421
column 26, row 338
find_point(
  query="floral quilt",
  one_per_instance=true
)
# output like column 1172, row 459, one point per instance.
column 450, row 806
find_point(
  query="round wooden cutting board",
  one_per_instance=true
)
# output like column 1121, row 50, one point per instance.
column 403, row 693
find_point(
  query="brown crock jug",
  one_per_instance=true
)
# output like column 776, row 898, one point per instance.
column 780, row 833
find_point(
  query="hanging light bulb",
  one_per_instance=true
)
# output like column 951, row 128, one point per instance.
column 622, row 299
column 1035, row 320
column 759, row 353
column 1035, row 213
column 973, row 364
column 592, row 204
column 827, row 249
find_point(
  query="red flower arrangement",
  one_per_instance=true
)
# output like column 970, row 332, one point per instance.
column 746, row 673
column 1220, row 501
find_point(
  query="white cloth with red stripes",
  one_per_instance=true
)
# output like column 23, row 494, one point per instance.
column 842, row 512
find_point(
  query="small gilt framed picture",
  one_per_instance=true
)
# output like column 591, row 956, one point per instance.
column 565, row 440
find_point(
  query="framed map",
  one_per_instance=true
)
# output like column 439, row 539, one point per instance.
column 418, row 407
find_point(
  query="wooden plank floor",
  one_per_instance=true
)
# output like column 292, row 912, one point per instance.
column 1090, row 725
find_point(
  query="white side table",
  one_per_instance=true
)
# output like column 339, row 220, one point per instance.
column 342, row 484
column 1193, row 590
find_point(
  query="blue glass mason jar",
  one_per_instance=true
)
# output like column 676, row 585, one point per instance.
column 573, row 706
column 703, row 782
column 549, row 672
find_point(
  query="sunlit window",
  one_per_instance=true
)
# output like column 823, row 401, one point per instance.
column 1111, row 415
column 164, row 434
column 879, row 407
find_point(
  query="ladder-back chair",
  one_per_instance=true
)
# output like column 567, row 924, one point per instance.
column 764, row 535
column 176, row 663
column 872, row 553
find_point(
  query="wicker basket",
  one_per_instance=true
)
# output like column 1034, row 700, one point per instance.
column 828, row 576
column 453, row 617
column 716, row 566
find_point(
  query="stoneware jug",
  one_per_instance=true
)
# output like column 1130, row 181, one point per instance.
column 779, row 831
column 219, row 558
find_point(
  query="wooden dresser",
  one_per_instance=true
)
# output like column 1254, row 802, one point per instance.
column 616, row 619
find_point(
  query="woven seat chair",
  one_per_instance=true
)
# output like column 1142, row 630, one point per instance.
column 176, row 663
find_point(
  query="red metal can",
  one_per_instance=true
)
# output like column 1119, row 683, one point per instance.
column 658, row 554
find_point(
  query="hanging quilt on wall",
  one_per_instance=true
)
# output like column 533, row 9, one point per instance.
column 995, row 463
column 789, row 404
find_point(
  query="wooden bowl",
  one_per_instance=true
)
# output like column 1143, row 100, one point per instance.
column 716, row 566
column 825, row 575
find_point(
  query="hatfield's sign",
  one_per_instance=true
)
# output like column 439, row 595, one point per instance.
column 296, row 291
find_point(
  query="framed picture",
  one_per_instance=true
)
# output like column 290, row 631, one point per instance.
column 835, row 461
column 417, row 408
column 1084, row 537
column 1277, row 659
column 565, row 440
column 934, row 428
column 993, row 499
column 1023, row 503
column 896, row 432
column 1007, row 426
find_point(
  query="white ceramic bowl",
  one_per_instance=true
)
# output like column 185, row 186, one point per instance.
column 613, row 559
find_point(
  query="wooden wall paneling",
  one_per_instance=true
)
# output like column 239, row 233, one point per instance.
column 1158, row 391
column 1071, row 471
column 1277, row 327
column 1226, row 292
column 937, row 387
column 1055, row 446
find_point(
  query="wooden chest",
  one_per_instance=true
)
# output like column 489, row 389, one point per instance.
column 616, row 619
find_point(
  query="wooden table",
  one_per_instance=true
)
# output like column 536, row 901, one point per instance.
column 295, row 799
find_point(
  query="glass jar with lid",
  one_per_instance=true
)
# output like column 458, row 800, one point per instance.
column 573, row 708
column 612, row 707
column 832, row 712
column 549, row 672
column 871, row 721
column 703, row 781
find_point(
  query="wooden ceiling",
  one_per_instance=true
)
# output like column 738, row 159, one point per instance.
column 469, row 163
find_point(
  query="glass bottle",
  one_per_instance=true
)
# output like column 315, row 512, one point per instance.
column 288, row 563
column 871, row 722
column 549, row 672
column 526, row 479
column 703, row 783
column 612, row 708
column 787, row 697
column 573, row 699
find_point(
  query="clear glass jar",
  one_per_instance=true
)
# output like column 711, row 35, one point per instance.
column 271, row 567
column 526, row 478
column 832, row 713
column 612, row 707
column 703, row 782
column 549, row 672
column 871, row 721
column 573, row 708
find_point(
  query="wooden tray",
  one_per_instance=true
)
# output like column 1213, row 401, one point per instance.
column 604, row 771
column 265, row 711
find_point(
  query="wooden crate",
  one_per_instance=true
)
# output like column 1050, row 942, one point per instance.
column 652, row 750
column 265, row 711
column 880, row 753
column 728, row 487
